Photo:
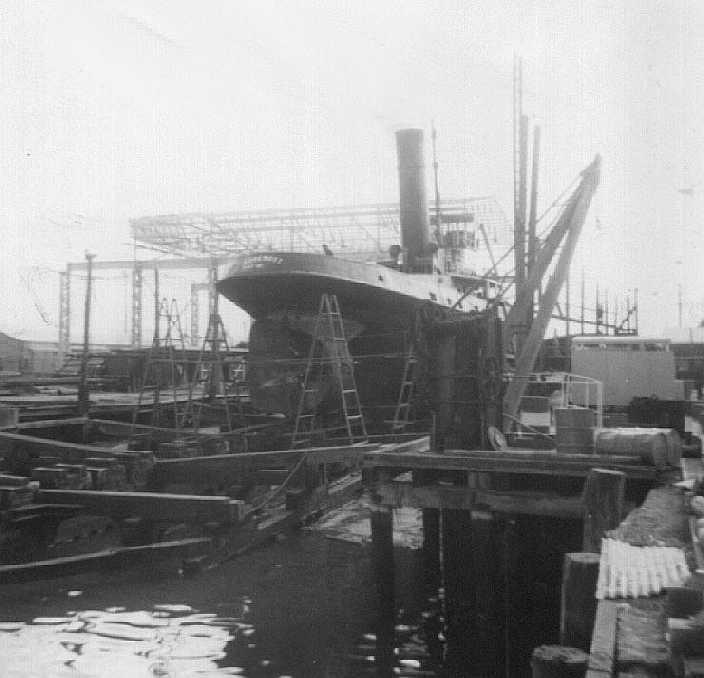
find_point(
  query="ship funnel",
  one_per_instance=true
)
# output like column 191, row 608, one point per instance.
column 415, row 227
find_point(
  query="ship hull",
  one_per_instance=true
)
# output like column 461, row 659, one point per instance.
column 282, row 293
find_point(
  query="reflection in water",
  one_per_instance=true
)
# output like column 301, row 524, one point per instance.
column 303, row 608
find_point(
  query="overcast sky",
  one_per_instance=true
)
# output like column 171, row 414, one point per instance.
column 115, row 109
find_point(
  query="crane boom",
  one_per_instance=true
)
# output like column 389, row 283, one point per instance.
column 568, row 228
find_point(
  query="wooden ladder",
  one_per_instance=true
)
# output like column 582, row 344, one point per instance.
column 167, row 351
column 209, row 374
column 406, row 393
column 329, row 332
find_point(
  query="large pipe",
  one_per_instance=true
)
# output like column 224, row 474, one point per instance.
column 415, row 226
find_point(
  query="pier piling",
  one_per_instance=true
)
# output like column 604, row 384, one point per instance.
column 383, row 563
column 603, row 505
column 578, row 604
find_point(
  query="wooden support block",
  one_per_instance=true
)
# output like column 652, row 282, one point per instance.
column 557, row 661
column 580, row 572
column 602, row 653
column 12, row 496
column 151, row 505
column 603, row 505
column 62, row 477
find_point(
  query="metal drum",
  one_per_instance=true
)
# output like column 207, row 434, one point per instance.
column 654, row 446
column 575, row 429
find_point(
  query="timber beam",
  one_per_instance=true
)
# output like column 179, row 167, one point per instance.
column 108, row 559
column 400, row 494
column 220, row 469
column 13, row 445
column 151, row 505
column 524, row 463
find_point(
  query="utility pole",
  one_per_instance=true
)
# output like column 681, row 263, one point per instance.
column 83, row 394
column 582, row 305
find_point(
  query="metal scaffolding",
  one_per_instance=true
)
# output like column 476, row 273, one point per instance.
column 348, row 231
column 202, row 241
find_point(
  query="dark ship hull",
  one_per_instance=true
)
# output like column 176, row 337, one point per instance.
column 282, row 292
column 379, row 302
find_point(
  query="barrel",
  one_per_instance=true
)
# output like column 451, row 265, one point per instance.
column 575, row 429
column 653, row 446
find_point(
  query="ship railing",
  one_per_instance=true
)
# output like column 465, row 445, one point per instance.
column 548, row 391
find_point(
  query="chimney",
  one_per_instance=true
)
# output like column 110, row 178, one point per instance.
column 415, row 227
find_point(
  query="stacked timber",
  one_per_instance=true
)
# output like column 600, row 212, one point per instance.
column 9, row 416
column 655, row 446
column 178, row 449
column 16, row 491
column 106, row 473
column 62, row 477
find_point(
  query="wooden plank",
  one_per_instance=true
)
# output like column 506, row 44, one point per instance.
column 531, row 503
column 123, row 429
column 14, row 445
column 416, row 445
column 521, row 454
column 399, row 494
column 604, row 493
column 151, row 505
column 46, row 423
column 500, row 463
column 602, row 652
column 110, row 558
column 220, row 469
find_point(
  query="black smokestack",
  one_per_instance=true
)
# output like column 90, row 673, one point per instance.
column 415, row 229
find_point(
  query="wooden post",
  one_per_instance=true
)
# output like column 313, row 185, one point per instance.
column 459, row 588
column 431, row 534
column 383, row 564
column 512, row 618
column 603, row 505
column 580, row 572
column 83, row 392
column 487, row 654
column 431, row 546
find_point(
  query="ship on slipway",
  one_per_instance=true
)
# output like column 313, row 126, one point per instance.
column 432, row 269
